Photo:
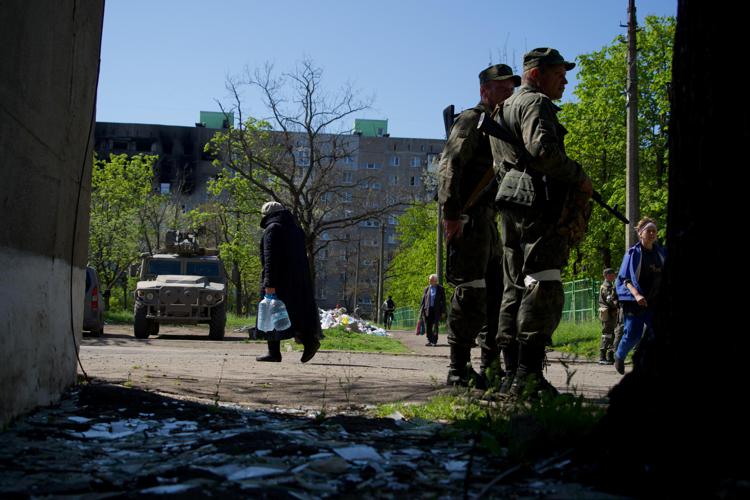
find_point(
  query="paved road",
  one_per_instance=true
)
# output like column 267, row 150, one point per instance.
column 182, row 361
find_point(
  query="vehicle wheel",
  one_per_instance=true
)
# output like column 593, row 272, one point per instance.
column 140, row 323
column 218, row 322
column 98, row 333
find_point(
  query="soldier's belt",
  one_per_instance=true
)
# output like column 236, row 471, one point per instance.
column 546, row 275
column 474, row 284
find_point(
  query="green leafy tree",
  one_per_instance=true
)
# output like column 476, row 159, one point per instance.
column 159, row 213
column 231, row 223
column 414, row 260
column 119, row 187
column 597, row 132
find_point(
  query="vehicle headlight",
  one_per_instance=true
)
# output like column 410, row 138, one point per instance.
column 150, row 296
column 209, row 297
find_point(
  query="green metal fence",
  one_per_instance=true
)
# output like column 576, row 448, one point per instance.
column 581, row 304
column 581, row 301
column 405, row 318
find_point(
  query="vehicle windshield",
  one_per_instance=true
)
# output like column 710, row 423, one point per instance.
column 157, row 267
column 203, row 268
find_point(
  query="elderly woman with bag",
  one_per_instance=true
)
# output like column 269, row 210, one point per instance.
column 286, row 273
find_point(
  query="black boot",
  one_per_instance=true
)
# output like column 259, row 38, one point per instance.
column 274, row 352
column 460, row 371
column 311, row 347
column 603, row 356
column 490, row 370
column 510, row 356
column 610, row 357
column 530, row 381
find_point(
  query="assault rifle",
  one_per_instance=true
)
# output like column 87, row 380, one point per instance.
column 492, row 128
column 449, row 116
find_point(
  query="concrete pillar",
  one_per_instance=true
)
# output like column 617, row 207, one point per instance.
column 48, row 62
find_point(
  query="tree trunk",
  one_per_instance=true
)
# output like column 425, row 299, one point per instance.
column 236, row 279
column 673, row 425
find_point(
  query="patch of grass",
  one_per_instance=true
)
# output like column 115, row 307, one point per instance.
column 445, row 407
column 338, row 339
column 235, row 321
column 118, row 317
column 521, row 430
column 578, row 338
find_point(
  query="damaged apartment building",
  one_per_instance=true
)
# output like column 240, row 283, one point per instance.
column 380, row 172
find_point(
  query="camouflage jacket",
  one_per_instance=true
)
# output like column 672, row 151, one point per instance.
column 608, row 296
column 464, row 161
column 532, row 116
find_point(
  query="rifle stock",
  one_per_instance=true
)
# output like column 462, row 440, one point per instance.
column 449, row 114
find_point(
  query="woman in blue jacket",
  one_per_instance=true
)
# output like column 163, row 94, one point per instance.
column 637, row 283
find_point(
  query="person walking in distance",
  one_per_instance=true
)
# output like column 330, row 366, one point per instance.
column 638, row 284
column 432, row 309
column 608, row 309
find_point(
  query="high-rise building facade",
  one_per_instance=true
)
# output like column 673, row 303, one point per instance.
column 379, row 174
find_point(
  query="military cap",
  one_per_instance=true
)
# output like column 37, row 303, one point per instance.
column 499, row 72
column 608, row 270
column 545, row 56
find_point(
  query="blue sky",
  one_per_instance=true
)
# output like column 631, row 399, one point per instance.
column 164, row 61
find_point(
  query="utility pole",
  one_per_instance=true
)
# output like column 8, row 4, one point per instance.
column 381, row 265
column 346, row 270
column 356, row 277
column 632, row 176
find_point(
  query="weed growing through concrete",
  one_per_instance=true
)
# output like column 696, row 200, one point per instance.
column 218, row 382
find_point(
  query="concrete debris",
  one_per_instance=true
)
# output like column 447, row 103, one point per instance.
column 103, row 441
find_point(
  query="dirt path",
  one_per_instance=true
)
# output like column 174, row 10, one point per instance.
column 182, row 361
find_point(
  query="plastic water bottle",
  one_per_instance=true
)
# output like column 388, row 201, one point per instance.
column 265, row 323
column 279, row 315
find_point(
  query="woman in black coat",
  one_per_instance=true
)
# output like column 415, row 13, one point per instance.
column 286, row 272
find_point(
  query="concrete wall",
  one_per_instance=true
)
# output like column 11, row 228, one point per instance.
column 47, row 94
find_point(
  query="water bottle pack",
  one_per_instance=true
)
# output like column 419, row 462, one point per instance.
column 272, row 314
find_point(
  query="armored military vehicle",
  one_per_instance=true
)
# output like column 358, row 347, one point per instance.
column 183, row 283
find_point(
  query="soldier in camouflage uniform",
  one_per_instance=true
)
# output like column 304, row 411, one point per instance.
column 608, row 315
column 539, row 224
column 466, row 193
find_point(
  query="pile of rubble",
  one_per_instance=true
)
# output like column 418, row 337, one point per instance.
column 104, row 440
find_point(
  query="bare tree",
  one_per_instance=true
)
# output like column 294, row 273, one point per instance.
column 303, row 155
column 161, row 212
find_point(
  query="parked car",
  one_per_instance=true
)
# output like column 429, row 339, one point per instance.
column 93, row 308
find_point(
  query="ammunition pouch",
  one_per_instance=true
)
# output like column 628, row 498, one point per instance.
column 518, row 188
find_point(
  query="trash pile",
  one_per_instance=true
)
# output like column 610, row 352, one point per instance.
column 338, row 317
column 328, row 319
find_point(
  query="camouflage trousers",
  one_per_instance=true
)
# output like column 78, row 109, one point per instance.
column 474, row 268
column 529, row 313
column 608, row 334
column 619, row 328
